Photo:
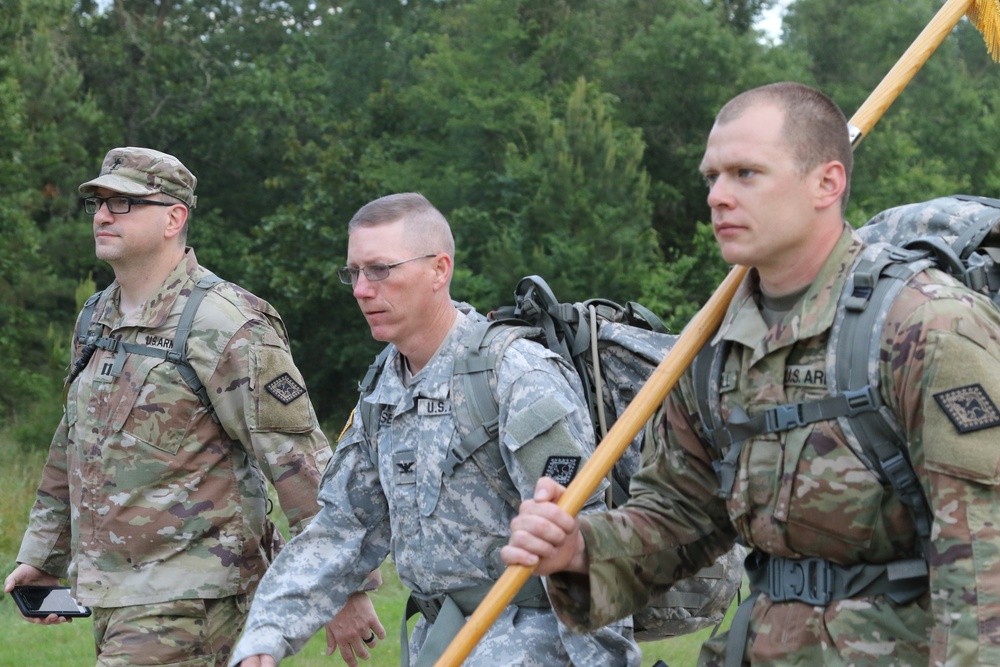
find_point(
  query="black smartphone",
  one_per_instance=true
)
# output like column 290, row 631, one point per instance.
column 40, row 601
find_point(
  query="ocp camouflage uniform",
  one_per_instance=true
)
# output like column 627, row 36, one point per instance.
column 144, row 498
column 443, row 532
column 804, row 493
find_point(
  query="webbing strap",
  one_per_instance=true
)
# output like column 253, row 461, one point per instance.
column 176, row 354
column 875, row 436
column 741, row 428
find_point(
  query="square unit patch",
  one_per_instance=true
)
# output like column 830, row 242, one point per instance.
column 561, row 468
column 284, row 388
column 969, row 408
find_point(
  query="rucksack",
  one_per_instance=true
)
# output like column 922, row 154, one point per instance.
column 958, row 234
column 88, row 333
column 614, row 350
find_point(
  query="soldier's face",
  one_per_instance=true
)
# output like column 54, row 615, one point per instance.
column 397, row 306
column 136, row 236
column 762, row 206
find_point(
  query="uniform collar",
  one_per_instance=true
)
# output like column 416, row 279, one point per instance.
column 811, row 316
column 154, row 313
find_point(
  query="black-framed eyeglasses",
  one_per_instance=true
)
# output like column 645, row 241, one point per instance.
column 378, row 271
column 118, row 204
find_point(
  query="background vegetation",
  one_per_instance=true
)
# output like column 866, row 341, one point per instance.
column 560, row 137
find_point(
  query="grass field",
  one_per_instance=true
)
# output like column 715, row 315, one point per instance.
column 23, row 644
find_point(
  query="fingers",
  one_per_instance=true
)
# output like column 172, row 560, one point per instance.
column 355, row 630
column 548, row 490
column 543, row 535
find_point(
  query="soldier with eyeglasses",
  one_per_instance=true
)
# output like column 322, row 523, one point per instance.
column 394, row 488
column 154, row 503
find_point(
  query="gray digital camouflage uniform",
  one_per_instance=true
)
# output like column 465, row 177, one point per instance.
column 144, row 498
column 804, row 492
column 443, row 532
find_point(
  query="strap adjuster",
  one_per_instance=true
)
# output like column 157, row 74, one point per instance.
column 784, row 417
column 806, row 580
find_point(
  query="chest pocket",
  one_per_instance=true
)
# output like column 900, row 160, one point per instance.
column 152, row 404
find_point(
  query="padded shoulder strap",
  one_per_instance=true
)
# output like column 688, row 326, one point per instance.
column 473, row 391
column 86, row 335
column 853, row 353
column 178, row 352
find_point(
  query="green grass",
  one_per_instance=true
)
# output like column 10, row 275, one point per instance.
column 23, row 644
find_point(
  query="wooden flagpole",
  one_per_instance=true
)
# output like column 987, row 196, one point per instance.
column 985, row 15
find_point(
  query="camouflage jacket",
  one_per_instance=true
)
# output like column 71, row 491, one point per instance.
column 443, row 531
column 804, row 493
column 144, row 497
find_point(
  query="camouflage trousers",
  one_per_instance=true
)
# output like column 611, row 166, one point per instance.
column 188, row 633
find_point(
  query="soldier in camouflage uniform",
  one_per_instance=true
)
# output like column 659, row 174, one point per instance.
column 154, row 509
column 398, row 494
column 778, row 163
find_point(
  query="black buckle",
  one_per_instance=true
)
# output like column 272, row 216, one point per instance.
column 784, row 417
column 860, row 400
column 806, row 580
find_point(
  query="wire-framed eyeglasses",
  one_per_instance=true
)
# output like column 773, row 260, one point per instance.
column 118, row 204
column 373, row 272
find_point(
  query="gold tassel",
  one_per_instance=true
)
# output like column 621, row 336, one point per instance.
column 985, row 15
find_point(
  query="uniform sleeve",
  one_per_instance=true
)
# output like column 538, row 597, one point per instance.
column 262, row 400
column 946, row 375
column 545, row 428
column 671, row 527
column 47, row 544
column 311, row 578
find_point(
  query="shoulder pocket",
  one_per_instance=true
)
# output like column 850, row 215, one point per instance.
column 280, row 399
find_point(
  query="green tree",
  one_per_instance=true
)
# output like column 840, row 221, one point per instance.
column 45, row 119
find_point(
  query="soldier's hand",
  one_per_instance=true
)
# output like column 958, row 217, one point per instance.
column 355, row 630
column 545, row 535
column 27, row 575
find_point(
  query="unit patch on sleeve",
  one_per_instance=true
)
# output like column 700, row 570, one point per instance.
column 284, row 388
column 969, row 408
column 562, row 468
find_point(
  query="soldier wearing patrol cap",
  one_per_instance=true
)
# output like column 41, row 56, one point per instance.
column 407, row 491
column 842, row 572
column 154, row 500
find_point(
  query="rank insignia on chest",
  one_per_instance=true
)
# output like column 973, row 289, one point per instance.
column 562, row 468
column 404, row 467
column 431, row 407
column 969, row 408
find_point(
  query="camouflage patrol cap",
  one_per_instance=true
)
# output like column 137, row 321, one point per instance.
column 143, row 171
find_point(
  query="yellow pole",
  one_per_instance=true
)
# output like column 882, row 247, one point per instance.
column 985, row 14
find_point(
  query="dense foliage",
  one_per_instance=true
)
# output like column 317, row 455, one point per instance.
column 560, row 137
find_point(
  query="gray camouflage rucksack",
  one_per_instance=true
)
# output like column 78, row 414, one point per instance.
column 629, row 342
column 958, row 234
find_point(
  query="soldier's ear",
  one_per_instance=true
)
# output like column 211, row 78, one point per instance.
column 829, row 182
column 176, row 218
column 443, row 268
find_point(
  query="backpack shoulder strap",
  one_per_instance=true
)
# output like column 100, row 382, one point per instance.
column 86, row 334
column 853, row 354
column 474, row 395
column 178, row 352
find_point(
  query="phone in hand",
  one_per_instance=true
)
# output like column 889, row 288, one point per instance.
column 40, row 601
